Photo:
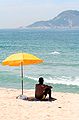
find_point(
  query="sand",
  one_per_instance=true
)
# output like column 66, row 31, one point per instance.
column 66, row 107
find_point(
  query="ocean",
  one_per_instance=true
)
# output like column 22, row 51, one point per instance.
column 58, row 48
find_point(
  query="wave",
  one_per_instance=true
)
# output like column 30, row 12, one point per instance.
column 61, row 64
column 59, row 80
column 54, row 53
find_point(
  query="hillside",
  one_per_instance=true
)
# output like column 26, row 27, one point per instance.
column 66, row 19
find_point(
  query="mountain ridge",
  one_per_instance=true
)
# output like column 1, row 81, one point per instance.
column 66, row 19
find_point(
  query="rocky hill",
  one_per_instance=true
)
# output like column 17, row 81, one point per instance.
column 66, row 19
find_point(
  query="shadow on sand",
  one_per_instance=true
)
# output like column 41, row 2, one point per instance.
column 34, row 99
column 23, row 97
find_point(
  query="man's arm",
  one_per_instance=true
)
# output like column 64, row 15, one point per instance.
column 47, row 86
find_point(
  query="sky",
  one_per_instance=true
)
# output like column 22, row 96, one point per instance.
column 17, row 13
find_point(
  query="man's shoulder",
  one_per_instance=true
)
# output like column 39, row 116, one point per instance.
column 39, row 85
column 36, row 84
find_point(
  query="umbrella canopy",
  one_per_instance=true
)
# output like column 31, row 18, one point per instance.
column 20, row 59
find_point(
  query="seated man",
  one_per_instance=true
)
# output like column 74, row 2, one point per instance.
column 41, row 90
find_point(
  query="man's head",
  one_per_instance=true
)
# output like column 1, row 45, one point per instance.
column 41, row 80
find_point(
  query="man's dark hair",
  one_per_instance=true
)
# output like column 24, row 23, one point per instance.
column 41, row 80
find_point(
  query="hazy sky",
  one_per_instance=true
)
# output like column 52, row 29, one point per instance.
column 16, row 13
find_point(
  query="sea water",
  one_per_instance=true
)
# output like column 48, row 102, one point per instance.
column 58, row 48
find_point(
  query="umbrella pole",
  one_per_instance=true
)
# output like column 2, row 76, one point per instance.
column 22, row 77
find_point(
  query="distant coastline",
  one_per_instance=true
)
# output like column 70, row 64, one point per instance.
column 65, row 20
column 60, row 29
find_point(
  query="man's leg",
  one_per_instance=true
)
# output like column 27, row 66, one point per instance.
column 48, row 91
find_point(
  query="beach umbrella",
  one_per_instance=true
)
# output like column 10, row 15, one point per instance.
column 21, row 59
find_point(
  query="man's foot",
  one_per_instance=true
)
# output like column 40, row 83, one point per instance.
column 50, row 99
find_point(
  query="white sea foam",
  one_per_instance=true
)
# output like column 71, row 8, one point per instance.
column 54, row 53
column 33, row 78
column 60, row 80
column 64, row 80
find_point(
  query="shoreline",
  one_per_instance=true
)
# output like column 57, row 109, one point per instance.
column 53, row 90
column 66, row 106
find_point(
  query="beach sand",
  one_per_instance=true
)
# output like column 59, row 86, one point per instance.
column 66, row 107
